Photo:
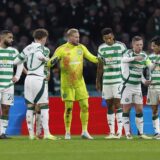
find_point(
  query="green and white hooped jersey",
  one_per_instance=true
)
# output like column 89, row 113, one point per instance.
column 32, row 54
column 155, row 74
column 132, row 71
column 111, row 56
column 7, row 56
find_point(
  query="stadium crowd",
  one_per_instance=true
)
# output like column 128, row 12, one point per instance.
column 127, row 18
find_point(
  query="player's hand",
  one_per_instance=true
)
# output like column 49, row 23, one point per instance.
column 98, row 86
column 15, row 79
column 47, row 78
column 43, row 59
column 138, row 58
column 147, row 82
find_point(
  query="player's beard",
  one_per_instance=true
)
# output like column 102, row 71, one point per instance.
column 7, row 44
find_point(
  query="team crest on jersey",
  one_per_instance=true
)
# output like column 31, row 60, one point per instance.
column 79, row 51
column 126, row 100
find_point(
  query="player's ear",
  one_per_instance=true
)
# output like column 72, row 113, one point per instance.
column 104, row 39
column 113, row 36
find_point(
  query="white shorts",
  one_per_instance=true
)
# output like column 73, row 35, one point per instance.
column 111, row 91
column 7, row 96
column 35, row 90
column 153, row 96
column 130, row 95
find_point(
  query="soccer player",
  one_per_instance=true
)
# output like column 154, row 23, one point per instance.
column 35, row 91
column 37, row 112
column 73, row 87
column 153, row 96
column 133, row 62
column 111, row 53
column 7, row 80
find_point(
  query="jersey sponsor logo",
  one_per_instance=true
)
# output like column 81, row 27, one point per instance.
column 110, row 62
column 140, row 66
column 136, row 69
column 6, row 65
column 156, row 72
column 75, row 62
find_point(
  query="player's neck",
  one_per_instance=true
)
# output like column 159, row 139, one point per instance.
column 157, row 53
column 2, row 45
column 39, row 41
column 73, row 44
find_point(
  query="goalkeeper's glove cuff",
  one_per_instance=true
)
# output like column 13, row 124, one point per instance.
column 52, row 62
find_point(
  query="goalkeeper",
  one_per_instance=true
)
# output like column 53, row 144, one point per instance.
column 73, row 87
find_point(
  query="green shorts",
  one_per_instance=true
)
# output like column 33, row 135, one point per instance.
column 73, row 94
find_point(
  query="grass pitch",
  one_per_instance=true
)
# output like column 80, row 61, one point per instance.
column 21, row 148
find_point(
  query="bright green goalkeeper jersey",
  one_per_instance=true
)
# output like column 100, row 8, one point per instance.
column 71, row 63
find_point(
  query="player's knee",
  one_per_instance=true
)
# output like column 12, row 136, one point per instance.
column 68, row 107
column 84, row 105
column 5, row 110
column 110, row 109
column 84, row 108
column 155, row 111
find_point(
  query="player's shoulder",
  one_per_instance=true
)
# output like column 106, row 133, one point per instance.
column 101, row 46
column 13, row 50
column 80, row 45
column 33, row 46
column 61, row 47
column 129, row 52
column 39, row 46
column 121, row 44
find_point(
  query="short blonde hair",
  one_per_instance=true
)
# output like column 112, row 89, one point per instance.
column 136, row 38
column 72, row 31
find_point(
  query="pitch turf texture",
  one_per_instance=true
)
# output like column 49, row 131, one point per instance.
column 21, row 148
